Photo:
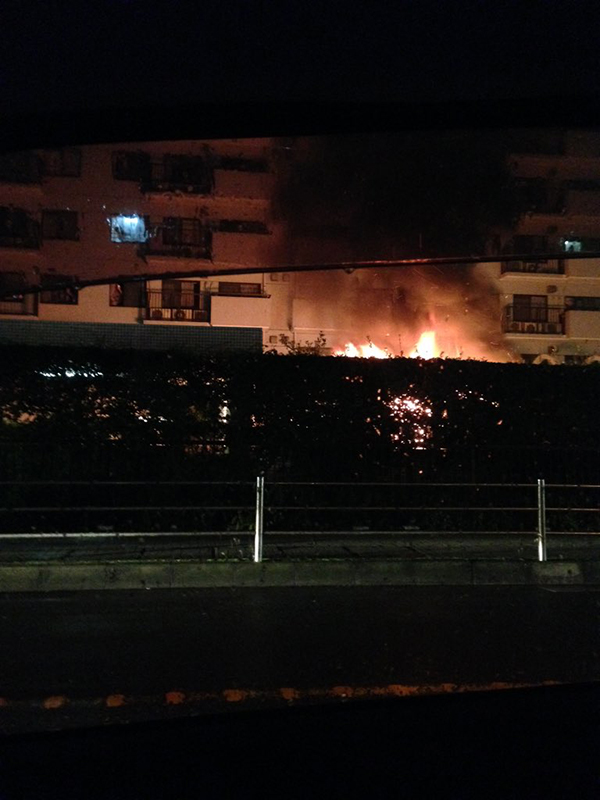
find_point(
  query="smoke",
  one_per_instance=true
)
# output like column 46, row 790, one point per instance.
column 393, row 307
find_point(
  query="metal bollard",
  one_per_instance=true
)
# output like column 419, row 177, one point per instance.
column 258, row 527
column 541, row 537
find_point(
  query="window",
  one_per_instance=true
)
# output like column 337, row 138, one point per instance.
column 526, row 245
column 65, row 163
column 131, row 294
column 530, row 308
column 244, row 164
column 582, row 185
column 251, row 289
column 60, row 225
column 21, row 167
column 18, row 229
column 127, row 228
column 579, row 244
column 61, row 295
column 131, row 165
column 180, row 173
column 274, row 276
column 181, row 294
column 583, row 303
column 178, row 230
column 241, row 226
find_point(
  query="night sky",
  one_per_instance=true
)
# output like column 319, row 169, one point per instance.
column 66, row 56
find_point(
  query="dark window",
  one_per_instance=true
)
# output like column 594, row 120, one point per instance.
column 178, row 230
column 527, row 245
column 18, row 229
column 131, row 165
column 582, row 185
column 530, row 308
column 65, row 163
column 128, row 228
column 191, row 174
column 583, row 303
column 131, row 294
column 242, row 226
column 24, row 167
column 244, row 164
column 61, row 295
column 181, row 294
column 251, row 289
column 60, row 225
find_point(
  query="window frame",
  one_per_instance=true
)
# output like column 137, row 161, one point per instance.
column 56, row 213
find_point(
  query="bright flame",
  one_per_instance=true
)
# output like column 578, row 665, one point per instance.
column 369, row 350
column 426, row 346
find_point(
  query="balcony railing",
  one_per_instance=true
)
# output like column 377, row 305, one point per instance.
column 533, row 319
column 195, row 177
column 23, row 305
column 184, row 306
column 555, row 266
column 193, row 243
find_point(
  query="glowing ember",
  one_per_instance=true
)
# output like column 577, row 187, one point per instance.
column 412, row 415
column 426, row 346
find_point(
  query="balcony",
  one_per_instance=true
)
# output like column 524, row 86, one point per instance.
column 524, row 319
column 555, row 266
column 188, row 175
column 179, row 238
column 177, row 305
column 25, row 305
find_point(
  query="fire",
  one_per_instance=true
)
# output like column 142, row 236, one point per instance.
column 369, row 350
column 426, row 346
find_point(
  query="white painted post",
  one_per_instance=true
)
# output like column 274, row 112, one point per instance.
column 258, row 527
column 541, row 537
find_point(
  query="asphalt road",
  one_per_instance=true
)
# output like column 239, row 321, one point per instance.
column 83, row 658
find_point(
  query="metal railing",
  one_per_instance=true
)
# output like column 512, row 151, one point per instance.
column 229, row 504
column 534, row 319
column 183, row 306
column 543, row 266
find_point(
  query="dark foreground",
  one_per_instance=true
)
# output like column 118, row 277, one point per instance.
column 536, row 743
column 86, row 658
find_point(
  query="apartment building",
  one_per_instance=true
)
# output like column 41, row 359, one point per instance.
column 550, row 307
column 87, row 213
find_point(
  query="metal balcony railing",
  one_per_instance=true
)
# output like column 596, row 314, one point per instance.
column 533, row 265
column 191, row 176
column 529, row 319
column 183, row 306
column 24, row 305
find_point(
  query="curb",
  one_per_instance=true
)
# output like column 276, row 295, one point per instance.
column 96, row 576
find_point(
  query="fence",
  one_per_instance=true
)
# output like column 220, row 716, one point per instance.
column 37, row 509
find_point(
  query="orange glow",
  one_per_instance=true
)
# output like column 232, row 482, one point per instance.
column 426, row 346
column 368, row 350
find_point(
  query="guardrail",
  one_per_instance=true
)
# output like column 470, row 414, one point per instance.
column 228, row 505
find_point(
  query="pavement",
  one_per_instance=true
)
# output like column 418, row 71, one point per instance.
column 76, row 659
column 129, row 561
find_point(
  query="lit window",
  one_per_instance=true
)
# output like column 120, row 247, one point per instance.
column 572, row 245
column 127, row 228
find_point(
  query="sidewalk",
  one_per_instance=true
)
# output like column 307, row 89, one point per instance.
column 295, row 559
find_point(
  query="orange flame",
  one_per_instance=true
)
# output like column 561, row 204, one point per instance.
column 426, row 346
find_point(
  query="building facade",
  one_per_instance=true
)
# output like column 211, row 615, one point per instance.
column 131, row 212
column 550, row 308
column 84, row 214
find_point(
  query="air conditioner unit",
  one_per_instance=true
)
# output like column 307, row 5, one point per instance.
column 179, row 314
column 531, row 266
column 530, row 329
column 514, row 326
column 199, row 316
column 156, row 313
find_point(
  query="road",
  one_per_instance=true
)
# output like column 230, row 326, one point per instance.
column 89, row 657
